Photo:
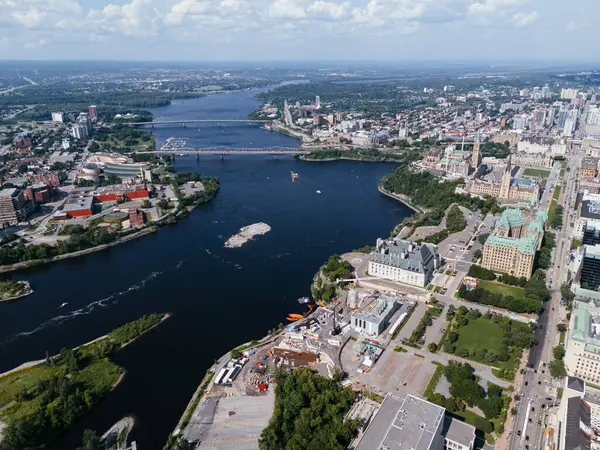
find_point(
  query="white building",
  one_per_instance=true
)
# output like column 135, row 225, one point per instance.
column 568, row 94
column 404, row 261
column 66, row 143
column 569, row 127
column 520, row 121
column 408, row 422
column 58, row 117
column 541, row 145
column 79, row 131
column 375, row 320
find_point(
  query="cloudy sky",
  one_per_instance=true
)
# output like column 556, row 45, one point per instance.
column 396, row 30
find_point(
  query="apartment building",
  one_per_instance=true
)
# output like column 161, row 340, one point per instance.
column 13, row 207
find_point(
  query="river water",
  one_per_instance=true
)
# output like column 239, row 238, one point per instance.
column 219, row 297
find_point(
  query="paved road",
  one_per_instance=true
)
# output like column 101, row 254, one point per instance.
column 539, row 383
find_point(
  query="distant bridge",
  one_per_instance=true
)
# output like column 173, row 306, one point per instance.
column 186, row 121
column 230, row 151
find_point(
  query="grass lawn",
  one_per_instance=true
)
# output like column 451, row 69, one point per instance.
column 484, row 334
column 543, row 174
column 504, row 289
column 556, row 193
column 480, row 333
column 24, row 380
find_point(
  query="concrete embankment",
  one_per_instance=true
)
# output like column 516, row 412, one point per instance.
column 400, row 198
column 220, row 363
column 121, row 240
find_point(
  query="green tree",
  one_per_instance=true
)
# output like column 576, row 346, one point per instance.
column 91, row 441
column 557, row 369
column 558, row 352
column 432, row 347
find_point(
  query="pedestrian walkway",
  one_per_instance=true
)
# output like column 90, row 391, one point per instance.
column 482, row 370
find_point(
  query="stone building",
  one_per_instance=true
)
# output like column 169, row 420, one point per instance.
column 512, row 246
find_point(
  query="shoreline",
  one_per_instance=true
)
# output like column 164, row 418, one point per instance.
column 37, row 262
column 151, row 227
column 28, row 289
column 345, row 158
column 405, row 201
column 29, row 364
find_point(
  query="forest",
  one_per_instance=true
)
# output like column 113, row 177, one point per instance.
column 309, row 414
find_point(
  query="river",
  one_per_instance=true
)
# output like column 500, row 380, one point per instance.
column 219, row 297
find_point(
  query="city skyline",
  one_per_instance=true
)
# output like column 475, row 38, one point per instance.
column 221, row 30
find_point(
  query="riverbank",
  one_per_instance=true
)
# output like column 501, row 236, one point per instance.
column 361, row 155
column 187, row 205
column 86, row 375
column 98, row 248
column 404, row 200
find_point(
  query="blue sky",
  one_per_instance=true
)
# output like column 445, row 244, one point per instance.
column 399, row 30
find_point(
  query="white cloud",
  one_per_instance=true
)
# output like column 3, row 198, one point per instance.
column 355, row 28
column 139, row 17
column 30, row 18
column 522, row 19
column 287, row 9
column 336, row 11
column 492, row 6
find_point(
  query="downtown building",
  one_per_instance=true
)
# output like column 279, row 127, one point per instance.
column 404, row 261
column 582, row 358
column 511, row 248
column 578, row 418
column 508, row 188
column 411, row 423
column 13, row 207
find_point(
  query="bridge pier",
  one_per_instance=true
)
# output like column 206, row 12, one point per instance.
column 276, row 156
column 197, row 156
column 222, row 156
column 183, row 124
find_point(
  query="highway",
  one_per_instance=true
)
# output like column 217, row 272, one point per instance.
column 536, row 386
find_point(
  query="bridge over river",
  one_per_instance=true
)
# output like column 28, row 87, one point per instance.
column 275, row 151
column 184, row 122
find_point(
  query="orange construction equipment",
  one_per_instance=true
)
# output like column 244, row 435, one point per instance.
column 296, row 316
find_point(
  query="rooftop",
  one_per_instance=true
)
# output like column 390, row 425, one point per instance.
column 8, row 192
column 457, row 431
column 78, row 202
column 511, row 218
column 408, row 423
column 380, row 310
column 586, row 325
column 406, row 255
column 590, row 209
column 578, row 417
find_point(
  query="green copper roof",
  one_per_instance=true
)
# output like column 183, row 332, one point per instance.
column 581, row 323
column 511, row 218
column 537, row 224
column 527, row 245
column 585, row 325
